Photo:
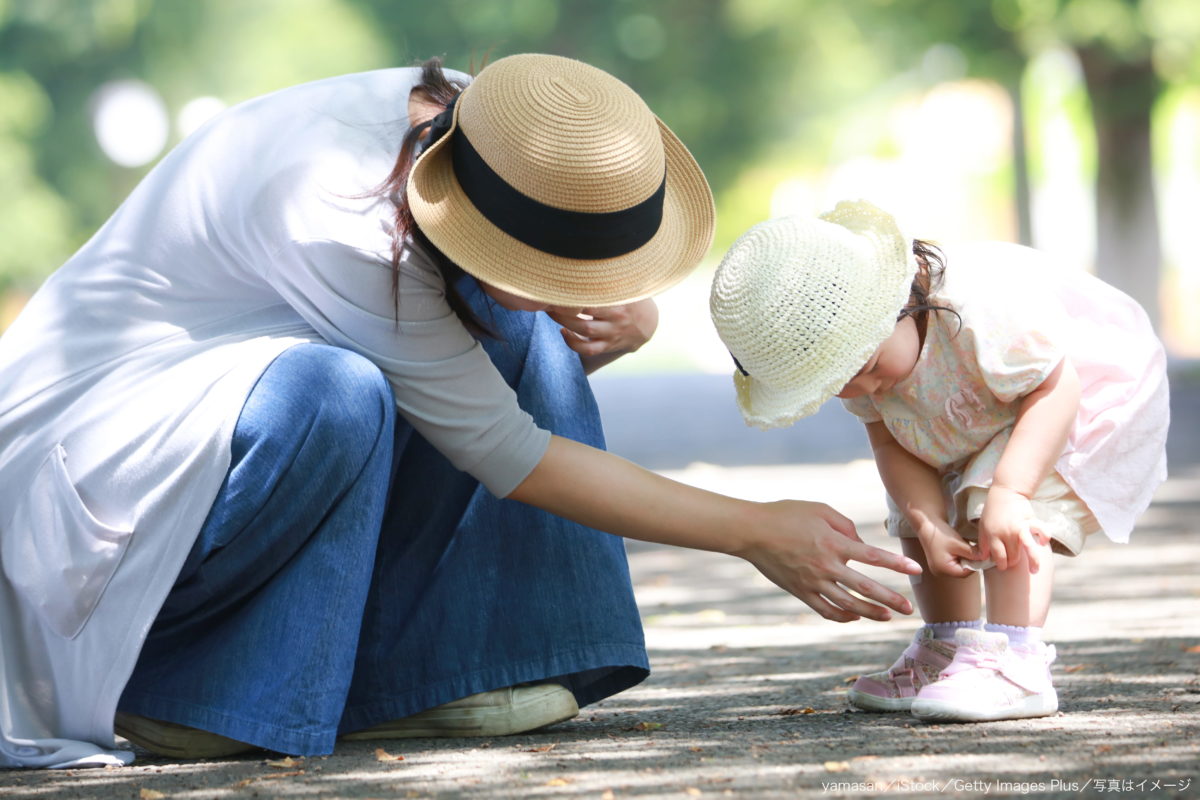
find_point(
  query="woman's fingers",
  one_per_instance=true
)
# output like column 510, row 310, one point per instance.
column 607, row 329
column 850, row 597
column 847, row 577
column 808, row 556
column 583, row 345
column 826, row 609
column 570, row 319
column 587, row 335
column 878, row 557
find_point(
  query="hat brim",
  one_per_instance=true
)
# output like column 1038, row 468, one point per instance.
column 767, row 406
column 453, row 224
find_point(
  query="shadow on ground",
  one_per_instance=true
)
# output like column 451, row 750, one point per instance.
column 752, row 722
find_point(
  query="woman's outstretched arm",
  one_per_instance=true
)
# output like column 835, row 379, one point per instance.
column 802, row 547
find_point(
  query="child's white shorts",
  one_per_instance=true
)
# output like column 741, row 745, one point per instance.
column 1064, row 517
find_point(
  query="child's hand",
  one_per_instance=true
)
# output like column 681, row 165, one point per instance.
column 1008, row 530
column 945, row 551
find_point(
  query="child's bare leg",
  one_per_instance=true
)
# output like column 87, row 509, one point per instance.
column 942, row 598
column 1016, row 598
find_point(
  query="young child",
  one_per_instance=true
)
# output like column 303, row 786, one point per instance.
column 1014, row 408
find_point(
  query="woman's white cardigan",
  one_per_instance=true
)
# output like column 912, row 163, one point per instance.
column 122, row 380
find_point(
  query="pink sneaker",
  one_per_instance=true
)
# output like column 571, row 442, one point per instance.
column 895, row 688
column 990, row 680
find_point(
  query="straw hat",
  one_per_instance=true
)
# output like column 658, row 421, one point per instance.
column 557, row 183
column 803, row 303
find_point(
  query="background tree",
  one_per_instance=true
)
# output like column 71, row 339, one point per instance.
column 1129, row 52
column 754, row 87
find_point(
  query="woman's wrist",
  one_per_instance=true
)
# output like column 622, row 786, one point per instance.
column 747, row 523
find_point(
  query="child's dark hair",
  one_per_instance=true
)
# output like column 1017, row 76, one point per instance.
column 435, row 88
column 931, row 263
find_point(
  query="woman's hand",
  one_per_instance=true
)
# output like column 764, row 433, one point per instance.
column 602, row 335
column 1008, row 530
column 804, row 548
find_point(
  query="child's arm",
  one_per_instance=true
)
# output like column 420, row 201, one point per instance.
column 916, row 489
column 1044, row 421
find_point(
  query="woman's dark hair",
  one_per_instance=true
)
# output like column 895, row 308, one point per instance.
column 931, row 269
column 434, row 88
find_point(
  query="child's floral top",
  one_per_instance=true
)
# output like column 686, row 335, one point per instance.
column 1019, row 315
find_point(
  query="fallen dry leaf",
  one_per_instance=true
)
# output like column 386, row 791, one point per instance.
column 151, row 794
column 693, row 791
column 647, row 726
column 1075, row 668
column 384, row 755
column 789, row 712
column 271, row 777
column 558, row 782
column 287, row 762
column 544, row 749
column 837, row 766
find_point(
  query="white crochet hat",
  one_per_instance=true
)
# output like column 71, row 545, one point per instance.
column 803, row 303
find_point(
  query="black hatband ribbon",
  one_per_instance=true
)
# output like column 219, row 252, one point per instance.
column 556, row 231
column 439, row 125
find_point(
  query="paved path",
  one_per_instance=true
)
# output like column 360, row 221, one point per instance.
column 748, row 694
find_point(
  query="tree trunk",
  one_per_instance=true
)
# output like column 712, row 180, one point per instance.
column 1022, row 195
column 1128, row 244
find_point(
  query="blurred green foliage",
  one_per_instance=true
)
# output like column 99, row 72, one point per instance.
column 743, row 82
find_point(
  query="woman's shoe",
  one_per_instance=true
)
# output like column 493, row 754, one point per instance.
column 501, row 712
column 895, row 688
column 176, row 741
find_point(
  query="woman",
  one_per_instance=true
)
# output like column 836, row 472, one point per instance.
column 215, row 526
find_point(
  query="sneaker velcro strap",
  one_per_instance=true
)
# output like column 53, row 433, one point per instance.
column 931, row 657
column 1029, row 676
column 904, row 682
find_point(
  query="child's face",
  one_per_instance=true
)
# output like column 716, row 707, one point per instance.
column 890, row 364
